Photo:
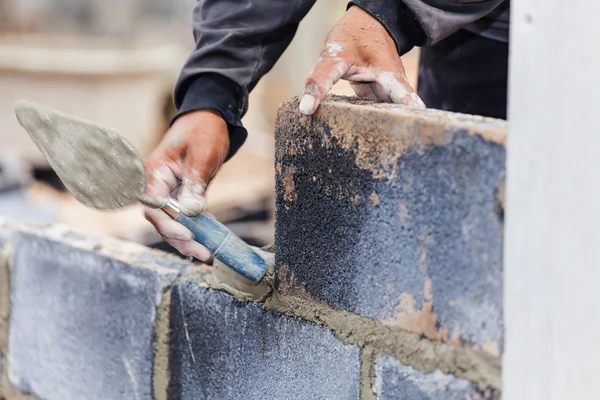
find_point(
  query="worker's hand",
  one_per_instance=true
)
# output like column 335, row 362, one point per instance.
column 190, row 154
column 359, row 49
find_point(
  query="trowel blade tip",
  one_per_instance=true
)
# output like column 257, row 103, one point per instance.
column 26, row 111
column 23, row 105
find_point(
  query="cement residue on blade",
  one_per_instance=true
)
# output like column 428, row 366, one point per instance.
column 98, row 166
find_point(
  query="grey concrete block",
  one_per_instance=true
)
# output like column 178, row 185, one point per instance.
column 14, row 203
column 225, row 349
column 394, row 380
column 81, row 321
column 394, row 214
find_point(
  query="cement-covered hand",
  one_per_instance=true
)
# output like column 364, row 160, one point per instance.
column 190, row 154
column 359, row 49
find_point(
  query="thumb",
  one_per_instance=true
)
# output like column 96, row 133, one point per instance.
column 207, row 146
column 198, row 169
column 326, row 73
column 193, row 186
column 201, row 163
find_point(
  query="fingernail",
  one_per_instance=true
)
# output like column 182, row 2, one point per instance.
column 203, row 255
column 307, row 104
column 192, row 206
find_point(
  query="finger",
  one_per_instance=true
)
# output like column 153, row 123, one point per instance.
column 364, row 91
column 176, row 234
column 326, row 73
column 191, row 196
column 163, row 165
column 390, row 88
column 401, row 94
column 415, row 101
column 160, row 180
column 190, row 248
column 167, row 227
column 381, row 91
column 200, row 165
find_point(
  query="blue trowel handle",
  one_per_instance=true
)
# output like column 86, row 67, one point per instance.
column 222, row 243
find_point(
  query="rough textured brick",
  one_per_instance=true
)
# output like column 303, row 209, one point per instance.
column 395, row 214
column 82, row 315
column 393, row 380
column 239, row 350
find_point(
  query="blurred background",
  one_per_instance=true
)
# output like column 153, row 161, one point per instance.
column 115, row 62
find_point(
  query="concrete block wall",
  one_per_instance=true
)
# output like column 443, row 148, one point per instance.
column 373, row 297
column 81, row 314
column 395, row 215
column 84, row 318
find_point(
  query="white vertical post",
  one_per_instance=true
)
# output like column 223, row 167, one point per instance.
column 552, row 249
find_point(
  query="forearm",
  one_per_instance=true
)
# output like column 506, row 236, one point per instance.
column 237, row 42
column 424, row 22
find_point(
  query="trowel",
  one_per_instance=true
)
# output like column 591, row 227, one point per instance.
column 103, row 170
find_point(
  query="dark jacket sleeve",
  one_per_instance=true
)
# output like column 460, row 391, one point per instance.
column 237, row 42
column 425, row 22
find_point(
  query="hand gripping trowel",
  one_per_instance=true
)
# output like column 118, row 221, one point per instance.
column 103, row 170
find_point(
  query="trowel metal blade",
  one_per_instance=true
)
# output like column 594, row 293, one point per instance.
column 97, row 165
